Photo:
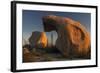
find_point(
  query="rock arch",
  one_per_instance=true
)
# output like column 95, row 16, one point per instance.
column 73, row 38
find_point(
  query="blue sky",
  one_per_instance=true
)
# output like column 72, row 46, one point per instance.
column 32, row 21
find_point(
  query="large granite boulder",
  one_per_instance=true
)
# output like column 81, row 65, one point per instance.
column 38, row 39
column 73, row 38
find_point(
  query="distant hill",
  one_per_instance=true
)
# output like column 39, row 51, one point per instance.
column 24, row 41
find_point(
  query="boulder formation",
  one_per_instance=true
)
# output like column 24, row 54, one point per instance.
column 38, row 39
column 73, row 38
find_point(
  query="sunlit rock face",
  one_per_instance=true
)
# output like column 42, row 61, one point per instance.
column 73, row 38
column 38, row 39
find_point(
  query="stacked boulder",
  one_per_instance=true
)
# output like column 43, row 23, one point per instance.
column 38, row 39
